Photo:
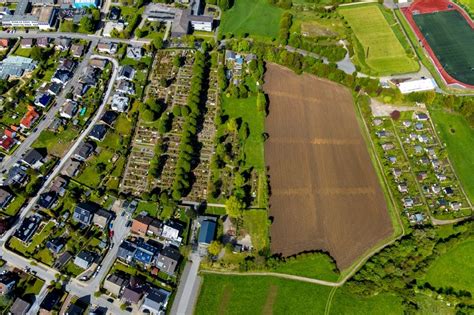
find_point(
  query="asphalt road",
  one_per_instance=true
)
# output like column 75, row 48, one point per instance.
column 46, row 120
column 82, row 290
column 188, row 288
column 88, row 37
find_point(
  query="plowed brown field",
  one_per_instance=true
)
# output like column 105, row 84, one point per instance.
column 324, row 190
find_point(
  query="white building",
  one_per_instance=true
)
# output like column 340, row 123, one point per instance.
column 417, row 86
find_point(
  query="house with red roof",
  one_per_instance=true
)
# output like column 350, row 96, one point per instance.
column 30, row 117
column 3, row 43
column 6, row 143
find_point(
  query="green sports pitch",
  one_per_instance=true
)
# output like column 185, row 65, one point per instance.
column 383, row 52
column 452, row 40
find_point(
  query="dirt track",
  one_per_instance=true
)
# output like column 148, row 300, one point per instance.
column 325, row 193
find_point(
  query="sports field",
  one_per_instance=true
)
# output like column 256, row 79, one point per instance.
column 254, row 17
column 452, row 40
column 383, row 52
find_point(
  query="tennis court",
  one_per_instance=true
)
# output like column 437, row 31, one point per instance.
column 451, row 38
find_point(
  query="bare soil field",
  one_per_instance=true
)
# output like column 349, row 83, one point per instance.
column 324, row 190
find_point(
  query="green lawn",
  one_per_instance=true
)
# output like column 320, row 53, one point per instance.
column 246, row 109
column 72, row 269
column 344, row 302
column 382, row 50
column 255, row 17
column 55, row 143
column 256, row 223
column 150, row 207
column 454, row 268
column 15, row 205
column 458, row 136
column 259, row 295
column 34, row 286
column 45, row 256
column 89, row 176
column 318, row 266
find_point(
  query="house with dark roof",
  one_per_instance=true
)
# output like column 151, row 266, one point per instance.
column 42, row 42
column 155, row 227
column 5, row 198
column 61, row 76
column 84, row 259
column 77, row 50
column 46, row 200
column 16, row 175
column 54, row 88
column 62, row 43
column 71, row 168
column 145, row 253
column 83, row 151
column 19, row 307
column 126, row 251
column 43, row 99
column 84, row 212
column 109, row 117
column 33, row 158
column 69, row 109
column 51, row 301
column 98, row 132
column 155, row 301
column 168, row 260
column 55, row 245
column 207, row 232
column 126, row 73
column 8, row 281
column 27, row 228
column 132, row 295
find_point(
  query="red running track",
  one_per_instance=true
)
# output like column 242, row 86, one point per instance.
column 430, row 6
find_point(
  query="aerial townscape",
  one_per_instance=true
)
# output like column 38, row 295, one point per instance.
column 236, row 157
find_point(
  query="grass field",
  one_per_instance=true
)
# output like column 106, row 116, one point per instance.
column 345, row 302
column 55, row 143
column 90, row 177
column 259, row 295
column 458, row 136
column 256, row 223
column 246, row 109
column 454, row 268
column 316, row 266
column 382, row 50
column 255, row 17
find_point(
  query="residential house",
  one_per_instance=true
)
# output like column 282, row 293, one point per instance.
column 435, row 163
column 71, row 168
column 140, row 224
column 19, row 307
column 423, row 138
column 421, row 176
column 406, row 123
column 62, row 43
column 43, row 99
column 388, row 146
column 403, row 188
column 115, row 283
column 207, row 232
column 102, row 218
column 168, row 260
column 98, row 63
column 112, row 26
column 408, row 202
column 54, row 88
column 5, row 198
column 441, row 177
column 58, row 185
column 155, row 228
column 80, row 89
column 448, row 191
column 454, row 205
column 26, row 43
column 4, row 225
column 155, row 301
column 392, row 159
column 84, row 150
column 84, row 212
column 132, row 295
column 98, row 132
column 69, row 109
column 74, row 309
column 125, row 87
column 135, row 53
column 109, row 48
column 42, row 42
column 145, row 253
column 55, row 245
column 77, row 50
column 114, row 13
column 61, row 76
column 33, row 158
column 119, row 103
column 172, row 230
column 67, row 64
column 47, row 200
column 421, row 116
column 51, row 301
column 7, row 282
column 16, row 175
column 435, row 189
column 30, row 118
column 109, row 117
column 84, row 259
column 230, row 55
column 381, row 133
column 126, row 73
column 419, row 126
column 7, row 143
column 126, row 251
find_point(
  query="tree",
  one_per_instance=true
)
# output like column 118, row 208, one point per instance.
column 158, row 43
column 234, row 207
column 214, row 248
column 87, row 24
column 37, row 54
column 224, row 4
column 100, row 167
column 148, row 115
